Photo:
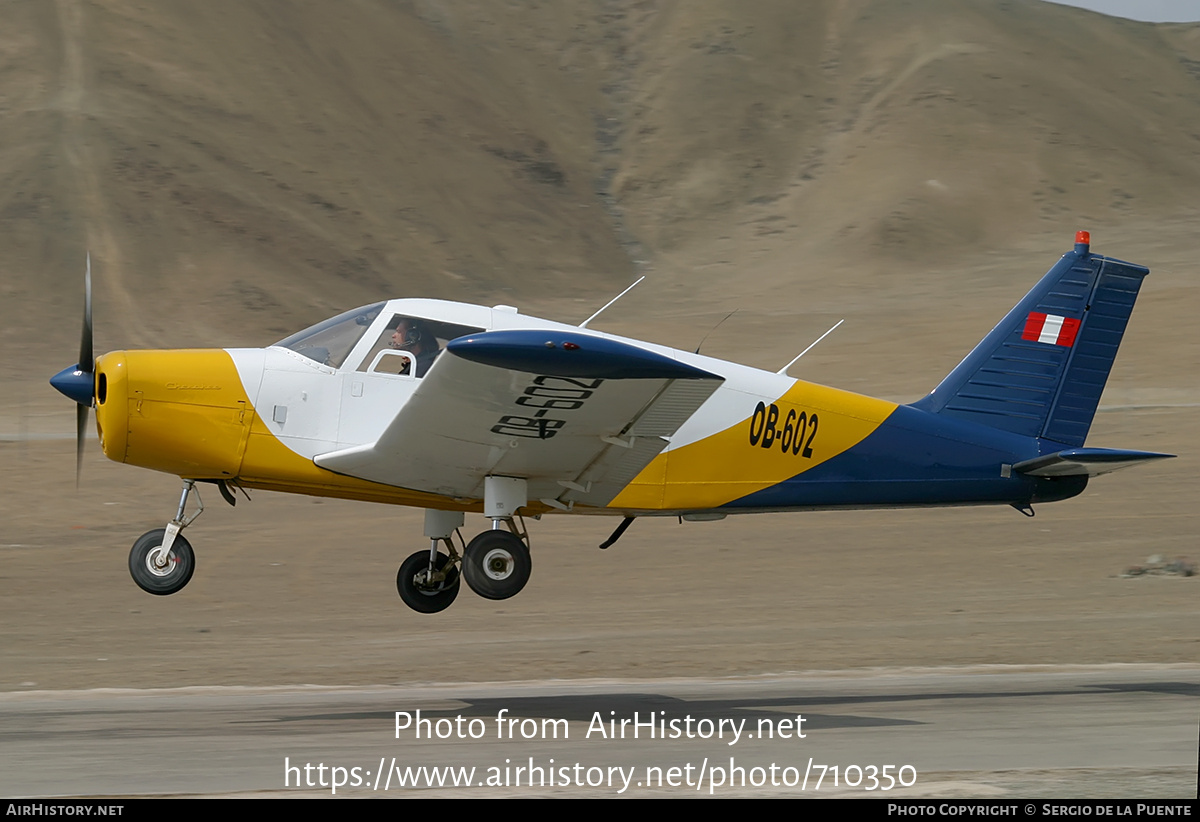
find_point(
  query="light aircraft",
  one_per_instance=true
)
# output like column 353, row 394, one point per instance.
column 459, row 408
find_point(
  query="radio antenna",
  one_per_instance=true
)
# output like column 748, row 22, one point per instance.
column 810, row 348
column 715, row 327
column 610, row 302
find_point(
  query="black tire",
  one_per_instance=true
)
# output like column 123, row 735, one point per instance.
column 181, row 562
column 426, row 599
column 497, row 565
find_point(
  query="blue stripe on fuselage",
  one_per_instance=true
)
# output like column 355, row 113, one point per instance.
column 912, row 458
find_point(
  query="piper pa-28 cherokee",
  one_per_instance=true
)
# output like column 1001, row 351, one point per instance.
column 460, row 408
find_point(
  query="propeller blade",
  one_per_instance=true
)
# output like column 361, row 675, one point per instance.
column 81, row 421
column 87, row 360
column 79, row 381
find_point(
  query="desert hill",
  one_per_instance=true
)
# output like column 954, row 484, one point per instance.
column 239, row 170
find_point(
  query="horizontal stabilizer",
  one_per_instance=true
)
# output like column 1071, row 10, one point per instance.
column 1085, row 461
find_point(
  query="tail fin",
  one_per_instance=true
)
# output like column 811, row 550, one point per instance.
column 1041, row 371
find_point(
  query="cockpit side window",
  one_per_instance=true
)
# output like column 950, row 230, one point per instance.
column 330, row 342
column 421, row 339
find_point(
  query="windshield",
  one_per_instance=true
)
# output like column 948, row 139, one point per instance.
column 329, row 342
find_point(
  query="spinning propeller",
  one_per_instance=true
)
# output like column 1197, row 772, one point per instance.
column 78, row 381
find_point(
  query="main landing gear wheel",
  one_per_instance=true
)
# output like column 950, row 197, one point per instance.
column 497, row 564
column 156, row 574
column 419, row 592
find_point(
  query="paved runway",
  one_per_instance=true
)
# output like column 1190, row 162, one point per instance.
column 992, row 731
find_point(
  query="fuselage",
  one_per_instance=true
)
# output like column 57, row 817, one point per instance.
column 762, row 441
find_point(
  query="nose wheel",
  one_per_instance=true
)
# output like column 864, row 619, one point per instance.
column 162, row 561
column 158, row 570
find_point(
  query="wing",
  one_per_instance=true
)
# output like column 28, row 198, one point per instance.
column 576, row 415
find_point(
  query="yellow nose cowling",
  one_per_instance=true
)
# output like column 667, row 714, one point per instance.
column 182, row 412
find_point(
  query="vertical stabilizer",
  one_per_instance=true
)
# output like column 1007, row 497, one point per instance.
column 1041, row 371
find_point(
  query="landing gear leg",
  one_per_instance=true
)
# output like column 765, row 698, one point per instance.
column 428, row 581
column 496, row 564
column 428, row 585
column 161, row 561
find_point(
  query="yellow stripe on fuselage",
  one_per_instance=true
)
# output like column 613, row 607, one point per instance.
column 757, row 453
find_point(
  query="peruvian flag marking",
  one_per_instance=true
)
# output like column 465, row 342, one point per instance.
column 1051, row 328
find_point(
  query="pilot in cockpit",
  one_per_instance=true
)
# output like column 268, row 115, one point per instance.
column 412, row 336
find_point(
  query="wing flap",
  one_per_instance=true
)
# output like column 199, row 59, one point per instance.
column 641, row 442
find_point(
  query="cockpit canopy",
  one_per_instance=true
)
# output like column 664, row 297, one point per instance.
column 401, row 340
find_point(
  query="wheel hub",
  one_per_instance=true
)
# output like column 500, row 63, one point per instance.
column 498, row 564
column 428, row 585
column 161, row 563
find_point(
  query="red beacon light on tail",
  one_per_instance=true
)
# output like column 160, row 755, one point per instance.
column 1083, row 242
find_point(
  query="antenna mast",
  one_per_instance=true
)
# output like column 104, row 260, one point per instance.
column 610, row 302
column 810, row 348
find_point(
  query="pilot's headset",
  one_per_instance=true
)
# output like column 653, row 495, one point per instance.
column 413, row 334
